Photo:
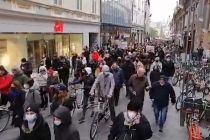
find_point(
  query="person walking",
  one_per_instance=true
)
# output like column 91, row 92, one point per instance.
column 63, row 70
column 168, row 68
column 160, row 93
column 131, row 124
column 137, row 85
column 64, row 129
column 17, row 99
column 105, row 83
column 119, row 80
column 34, row 126
column 5, row 83
column 157, row 64
column 18, row 75
column 155, row 75
column 26, row 67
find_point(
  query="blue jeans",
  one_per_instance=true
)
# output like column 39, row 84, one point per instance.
column 160, row 114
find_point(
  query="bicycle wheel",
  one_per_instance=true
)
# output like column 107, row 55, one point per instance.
column 4, row 119
column 178, row 104
column 94, row 126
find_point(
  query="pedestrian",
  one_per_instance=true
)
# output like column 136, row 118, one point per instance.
column 64, row 129
column 168, row 68
column 5, row 83
column 155, row 75
column 61, row 97
column 52, row 80
column 55, row 62
column 128, row 70
column 105, row 83
column 137, row 63
column 131, row 124
column 137, row 85
column 200, row 51
column 17, row 99
column 95, row 56
column 18, row 75
column 41, row 79
column 34, row 127
column 26, row 67
column 63, row 70
column 32, row 94
column 119, row 80
column 160, row 93
column 157, row 63
column 88, row 80
column 73, row 63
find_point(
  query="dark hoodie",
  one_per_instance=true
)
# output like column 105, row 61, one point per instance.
column 66, row 130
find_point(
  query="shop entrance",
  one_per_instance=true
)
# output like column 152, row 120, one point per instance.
column 93, row 39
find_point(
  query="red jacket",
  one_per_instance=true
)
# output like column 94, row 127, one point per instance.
column 5, row 83
column 95, row 56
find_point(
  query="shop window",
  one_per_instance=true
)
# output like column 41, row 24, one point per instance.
column 93, row 6
column 76, row 41
column 4, row 58
column 58, row 2
column 79, row 4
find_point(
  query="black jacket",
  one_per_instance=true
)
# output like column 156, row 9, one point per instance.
column 41, row 130
column 168, row 69
column 154, row 76
column 128, row 69
column 161, row 94
column 65, row 131
column 142, row 130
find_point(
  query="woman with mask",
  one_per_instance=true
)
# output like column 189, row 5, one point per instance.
column 131, row 124
column 17, row 98
column 63, row 127
column 34, row 126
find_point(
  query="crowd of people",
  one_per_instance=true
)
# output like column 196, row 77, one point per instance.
column 103, row 70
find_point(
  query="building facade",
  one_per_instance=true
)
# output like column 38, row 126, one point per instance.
column 191, row 24
column 33, row 28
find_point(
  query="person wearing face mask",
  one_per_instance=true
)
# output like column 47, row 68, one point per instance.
column 5, row 83
column 34, row 126
column 64, row 129
column 131, row 125
column 119, row 80
column 17, row 98
column 156, row 63
column 160, row 93
column 168, row 69
column 105, row 82
column 32, row 94
column 138, row 83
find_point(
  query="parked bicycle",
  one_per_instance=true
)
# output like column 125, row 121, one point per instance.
column 4, row 118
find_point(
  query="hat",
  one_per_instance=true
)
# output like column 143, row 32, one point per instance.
column 61, row 87
column 105, row 68
column 33, row 108
column 162, row 77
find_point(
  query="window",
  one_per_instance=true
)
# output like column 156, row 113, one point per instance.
column 93, row 6
column 79, row 4
column 58, row 2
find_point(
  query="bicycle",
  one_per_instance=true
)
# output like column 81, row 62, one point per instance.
column 101, row 112
column 4, row 118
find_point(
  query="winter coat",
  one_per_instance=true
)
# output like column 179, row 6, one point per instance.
column 22, row 78
column 17, row 99
column 106, row 84
column 168, row 69
column 26, row 68
column 32, row 97
column 156, row 64
column 128, row 69
column 118, row 77
column 161, row 94
column 95, row 56
column 55, row 63
column 67, row 130
column 138, row 84
column 5, row 83
column 41, row 79
column 141, row 131
column 41, row 130
column 154, row 76
column 63, row 68
column 73, row 61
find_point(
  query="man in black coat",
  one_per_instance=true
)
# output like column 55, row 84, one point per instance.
column 132, row 124
column 168, row 69
column 160, row 93
column 63, row 70
column 63, row 127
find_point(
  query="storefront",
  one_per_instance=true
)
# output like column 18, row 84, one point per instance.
column 39, row 37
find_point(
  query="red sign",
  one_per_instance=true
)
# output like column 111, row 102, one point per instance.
column 59, row 26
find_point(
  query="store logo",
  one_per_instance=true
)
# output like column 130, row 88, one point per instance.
column 59, row 27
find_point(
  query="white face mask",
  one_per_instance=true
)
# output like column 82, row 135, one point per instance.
column 57, row 122
column 131, row 115
column 26, row 86
column 168, row 59
column 30, row 118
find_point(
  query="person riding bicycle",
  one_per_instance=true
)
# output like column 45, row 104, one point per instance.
column 88, row 79
column 106, row 83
